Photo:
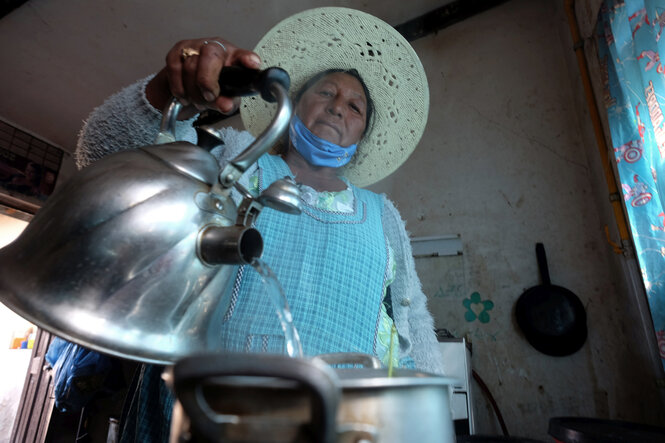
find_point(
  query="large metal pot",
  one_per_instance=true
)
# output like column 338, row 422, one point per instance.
column 272, row 398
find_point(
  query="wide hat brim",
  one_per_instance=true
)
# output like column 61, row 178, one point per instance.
column 341, row 38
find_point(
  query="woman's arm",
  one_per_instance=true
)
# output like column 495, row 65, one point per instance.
column 412, row 318
column 131, row 117
column 126, row 120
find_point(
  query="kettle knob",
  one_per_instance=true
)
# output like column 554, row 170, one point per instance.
column 282, row 195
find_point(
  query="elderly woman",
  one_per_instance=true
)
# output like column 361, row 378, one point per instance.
column 360, row 108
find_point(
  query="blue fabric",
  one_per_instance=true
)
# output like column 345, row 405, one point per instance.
column 630, row 40
column 332, row 266
column 148, row 418
column 315, row 150
column 55, row 349
column 79, row 374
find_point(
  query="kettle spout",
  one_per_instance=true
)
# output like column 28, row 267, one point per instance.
column 229, row 245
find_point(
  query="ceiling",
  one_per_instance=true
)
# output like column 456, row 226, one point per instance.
column 61, row 58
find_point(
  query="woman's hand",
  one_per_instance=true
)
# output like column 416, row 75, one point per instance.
column 193, row 78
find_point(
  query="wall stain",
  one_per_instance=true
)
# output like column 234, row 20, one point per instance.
column 505, row 197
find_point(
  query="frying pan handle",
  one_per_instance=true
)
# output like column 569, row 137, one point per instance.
column 315, row 376
column 542, row 264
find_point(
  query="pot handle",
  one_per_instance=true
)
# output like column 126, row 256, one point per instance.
column 351, row 358
column 315, row 375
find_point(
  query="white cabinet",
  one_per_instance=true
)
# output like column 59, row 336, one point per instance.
column 457, row 358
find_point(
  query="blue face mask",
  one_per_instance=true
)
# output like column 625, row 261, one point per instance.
column 315, row 150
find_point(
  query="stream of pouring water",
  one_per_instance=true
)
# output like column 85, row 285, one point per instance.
column 278, row 299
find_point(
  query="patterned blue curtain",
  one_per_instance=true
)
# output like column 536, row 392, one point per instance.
column 630, row 40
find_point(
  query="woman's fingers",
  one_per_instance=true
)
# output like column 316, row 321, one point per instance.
column 247, row 58
column 214, row 55
column 175, row 59
column 227, row 105
column 193, row 68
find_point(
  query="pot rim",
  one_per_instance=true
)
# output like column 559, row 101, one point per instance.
column 347, row 378
column 361, row 378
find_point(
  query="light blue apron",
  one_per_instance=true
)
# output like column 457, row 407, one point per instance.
column 332, row 267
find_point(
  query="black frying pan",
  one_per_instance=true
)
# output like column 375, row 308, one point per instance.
column 552, row 318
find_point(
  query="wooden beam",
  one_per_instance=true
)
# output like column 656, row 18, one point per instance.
column 443, row 17
column 7, row 6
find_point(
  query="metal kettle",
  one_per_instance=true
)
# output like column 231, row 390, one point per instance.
column 136, row 255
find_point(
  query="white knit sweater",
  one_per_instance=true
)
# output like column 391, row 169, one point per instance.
column 126, row 120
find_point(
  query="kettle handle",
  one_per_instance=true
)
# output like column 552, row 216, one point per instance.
column 274, row 87
column 237, row 81
column 317, row 377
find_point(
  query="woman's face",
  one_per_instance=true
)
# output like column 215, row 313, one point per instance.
column 334, row 108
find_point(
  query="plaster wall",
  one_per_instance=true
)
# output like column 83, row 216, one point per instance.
column 508, row 160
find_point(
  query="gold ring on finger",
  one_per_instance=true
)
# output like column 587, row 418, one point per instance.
column 188, row 52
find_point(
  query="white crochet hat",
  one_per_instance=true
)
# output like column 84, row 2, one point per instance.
column 340, row 38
